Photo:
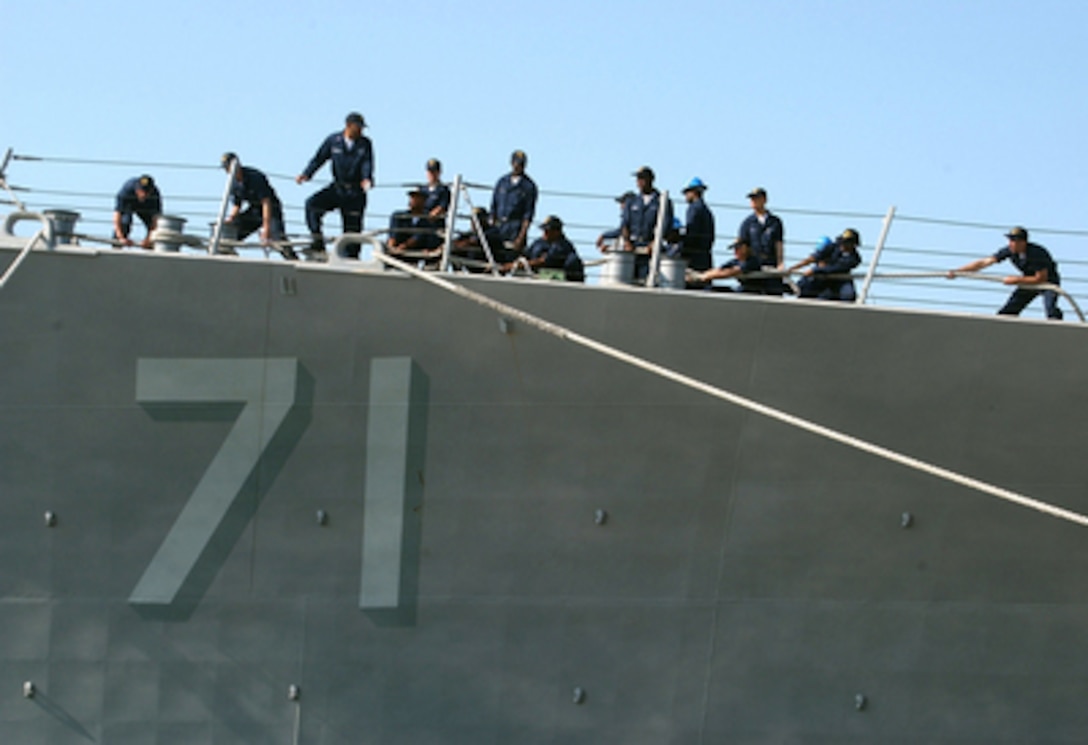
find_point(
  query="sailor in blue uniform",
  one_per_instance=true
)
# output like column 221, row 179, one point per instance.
column 1035, row 264
column 437, row 193
column 414, row 230
column 607, row 239
column 834, row 260
column 554, row 251
column 764, row 230
column 140, row 197
column 352, row 157
column 766, row 234
column 673, row 245
column 744, row 261
column 263, row 208
column 639, row 222
column 698, row 245
column 467, row 244
column 513, row 202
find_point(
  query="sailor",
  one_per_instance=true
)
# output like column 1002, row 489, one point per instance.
column 834, row 260
column 1036, row 266
column 414, row 230
column 606, row 241
column 513, row 203
column 437, row 193
column 698, row 243
column 673, row 244
column 263, row 208
column 766, row 234
column 639, row 222
column 744, row 261
column 352, row 156
column 554, row 251
column 140, row 197
column 467, row 244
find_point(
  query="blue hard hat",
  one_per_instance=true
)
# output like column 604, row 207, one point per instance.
column 695, row 183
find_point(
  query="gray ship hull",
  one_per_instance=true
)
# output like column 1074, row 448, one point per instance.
column 445, row 527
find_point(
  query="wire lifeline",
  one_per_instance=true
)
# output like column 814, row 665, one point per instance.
column 908, row 277
column 125, row 163
column 986, row 226
column 576, row 226
column 569, row 194
column 566, row 334
column 106, row 195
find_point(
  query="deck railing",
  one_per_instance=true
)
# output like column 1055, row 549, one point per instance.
column 905, row 267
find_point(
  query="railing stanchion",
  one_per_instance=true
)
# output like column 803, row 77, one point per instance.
column 451, row 215
column 45, row 233
column 659, row 234
column 876, row 255
column 4, row 182
column 217, row 235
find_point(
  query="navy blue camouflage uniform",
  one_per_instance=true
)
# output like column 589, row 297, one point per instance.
column 414, row 231
column 467, row 244
column 128, row 204
column 764, row 237
column 698, row 243
column 512, row 204
column 830, row 260
column 350, row 167
column 438, row 195
column 747, row 265
column 640, row 220
column 252, row 190
column 1034, row 258
column 558, row 254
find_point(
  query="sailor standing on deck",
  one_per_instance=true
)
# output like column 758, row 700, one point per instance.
column 766, row 234
column 138, row 196
column 638, row 225
column 763, row 230
column 263, row 209
column 513, row 202
column 352, row 157
column 698, row 246
column 607, row 239
column 1035, row 264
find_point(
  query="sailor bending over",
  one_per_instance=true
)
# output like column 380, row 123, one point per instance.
column 263, row 208
column 1035, row 264
column 140, row 197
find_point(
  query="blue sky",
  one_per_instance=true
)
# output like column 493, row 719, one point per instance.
column 961, row 110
